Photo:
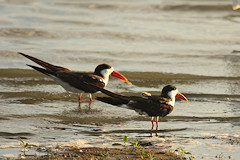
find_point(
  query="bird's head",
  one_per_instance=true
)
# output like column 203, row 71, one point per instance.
column 105, row 70
column 171, row 92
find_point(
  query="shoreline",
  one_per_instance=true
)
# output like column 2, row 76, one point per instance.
column 129, row 152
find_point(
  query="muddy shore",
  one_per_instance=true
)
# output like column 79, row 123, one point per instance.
column 94, row 153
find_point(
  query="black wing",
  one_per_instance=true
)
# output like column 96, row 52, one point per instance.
column 82, row 81
column 152, row 105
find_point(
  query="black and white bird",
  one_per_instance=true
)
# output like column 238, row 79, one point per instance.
column 78, row 82
column 153, row 106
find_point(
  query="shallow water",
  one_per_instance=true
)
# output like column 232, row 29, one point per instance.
column 191, row 44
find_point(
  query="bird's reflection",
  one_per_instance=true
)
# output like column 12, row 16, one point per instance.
column 89, row 106
column 152, row 132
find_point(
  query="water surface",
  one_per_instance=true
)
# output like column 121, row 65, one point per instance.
column 193, row 45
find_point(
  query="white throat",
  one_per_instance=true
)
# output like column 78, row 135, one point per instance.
column 172, row 102
column 172, row 95
column 106, row 73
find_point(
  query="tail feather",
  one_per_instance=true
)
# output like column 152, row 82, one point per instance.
column 113, row 101
column 114, row 95
column 42, row 70
column 46, row 65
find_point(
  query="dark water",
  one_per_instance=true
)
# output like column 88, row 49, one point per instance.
column 193, row 45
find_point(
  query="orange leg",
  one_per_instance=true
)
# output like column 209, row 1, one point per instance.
column 79, row 101
column 79, row 98
column 152, row 122
column 157, row 118
column 90, row 97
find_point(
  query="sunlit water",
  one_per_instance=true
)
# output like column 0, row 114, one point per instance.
column 193, row 45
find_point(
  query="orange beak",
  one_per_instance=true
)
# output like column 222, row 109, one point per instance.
column 120, row 76
column 182, row 97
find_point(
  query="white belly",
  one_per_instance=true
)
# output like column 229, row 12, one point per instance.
column 67, row 87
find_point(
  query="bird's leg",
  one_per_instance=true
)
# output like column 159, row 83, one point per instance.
column 157, row 118
column 79, row 98
column 79, row 101
column 90, row 102
column 90, row 97
column 152, row 123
